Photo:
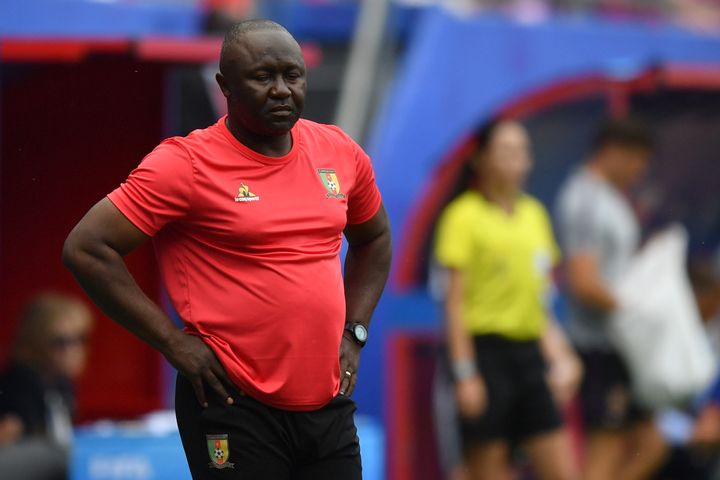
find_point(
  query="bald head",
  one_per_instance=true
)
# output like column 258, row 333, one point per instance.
column 262, row 76
column 238, row 34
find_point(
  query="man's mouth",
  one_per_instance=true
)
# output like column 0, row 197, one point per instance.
column 281, row 109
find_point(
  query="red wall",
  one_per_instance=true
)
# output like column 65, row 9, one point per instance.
column 69, row 133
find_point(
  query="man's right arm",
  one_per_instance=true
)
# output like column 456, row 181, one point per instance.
column 94, row 253
column 586, row 283
column 581, row 229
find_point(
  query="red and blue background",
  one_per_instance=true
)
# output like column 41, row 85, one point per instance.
column 86, row 89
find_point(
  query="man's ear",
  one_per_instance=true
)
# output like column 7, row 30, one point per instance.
column 220, row 79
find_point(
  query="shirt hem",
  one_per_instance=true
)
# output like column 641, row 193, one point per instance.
column 123, row 208
column 365, row 218
column 293, row 407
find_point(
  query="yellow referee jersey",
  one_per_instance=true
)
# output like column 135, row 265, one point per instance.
column 505, row 260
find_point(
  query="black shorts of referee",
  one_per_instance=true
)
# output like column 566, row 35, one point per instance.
column 250, row 441
column 520, row 404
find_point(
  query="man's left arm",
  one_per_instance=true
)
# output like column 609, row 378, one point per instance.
column 367, row 264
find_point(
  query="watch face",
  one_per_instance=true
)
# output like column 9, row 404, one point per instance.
column 360, row 333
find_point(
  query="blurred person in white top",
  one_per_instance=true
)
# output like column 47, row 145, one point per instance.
column 599, row 233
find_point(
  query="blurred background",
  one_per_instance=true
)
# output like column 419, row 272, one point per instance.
column 88, row 87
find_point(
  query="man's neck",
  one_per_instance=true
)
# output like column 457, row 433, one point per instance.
column 597, row 169
column 268, row 145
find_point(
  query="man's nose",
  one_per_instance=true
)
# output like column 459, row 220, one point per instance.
column 280, row 88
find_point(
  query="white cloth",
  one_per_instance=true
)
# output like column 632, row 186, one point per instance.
column 657, row 329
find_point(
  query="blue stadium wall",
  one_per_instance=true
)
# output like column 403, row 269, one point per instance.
column 458, row 72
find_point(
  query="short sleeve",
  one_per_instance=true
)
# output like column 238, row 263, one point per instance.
column 453, row 238
column 158, row 191
column 364, row 199
column 555, row 254
column 579, row 226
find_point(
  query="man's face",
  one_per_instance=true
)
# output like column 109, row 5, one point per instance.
column 264, row 82
column 628, row 164
column 66, row 345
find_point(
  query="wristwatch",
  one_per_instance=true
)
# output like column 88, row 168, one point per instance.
column 359, row 333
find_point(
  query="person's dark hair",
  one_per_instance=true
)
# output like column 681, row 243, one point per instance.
column 468, row 173
column 237, row 31
column 627, row 132
column 484, row 134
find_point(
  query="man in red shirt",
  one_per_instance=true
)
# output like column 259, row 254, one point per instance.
column 247, row 218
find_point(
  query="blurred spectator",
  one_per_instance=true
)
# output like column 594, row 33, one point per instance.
column 36, row 393
column 694, row 434
column 524, row 10
column 705, row 278
column 600, row 234
column 235, row 9
column 701, row 15
column 497, row 244
column 617, row 8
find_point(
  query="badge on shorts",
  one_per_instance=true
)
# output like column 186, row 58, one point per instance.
column 219, row 451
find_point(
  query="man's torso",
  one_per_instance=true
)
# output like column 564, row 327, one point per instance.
column 252, row 266
column 590, row 207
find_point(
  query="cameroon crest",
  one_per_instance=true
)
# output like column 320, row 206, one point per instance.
column 219, row 451
column 331, row 182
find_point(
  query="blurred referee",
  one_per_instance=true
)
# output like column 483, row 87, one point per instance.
column 511, row 366
column 247, row 218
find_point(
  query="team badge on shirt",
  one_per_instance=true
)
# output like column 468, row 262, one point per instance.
column 219, row 451
column 331, row 182
column 245, row 195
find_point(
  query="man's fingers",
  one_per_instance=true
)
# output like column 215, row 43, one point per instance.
column 343, row 385
column 216, row 377
column 199, row 391
column 349, row 353
column 345, row 379
column 351, row 387
column 221, row 374
column 212, row 380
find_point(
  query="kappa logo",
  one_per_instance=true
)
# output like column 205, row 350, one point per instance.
column 219, row 451
column 331, row 182
column 245, row 195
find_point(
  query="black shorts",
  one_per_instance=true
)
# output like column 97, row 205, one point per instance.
column 520, row 404
column 249, row 440
column 606, row 398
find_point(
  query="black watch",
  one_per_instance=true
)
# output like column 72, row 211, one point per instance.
column 359, row 333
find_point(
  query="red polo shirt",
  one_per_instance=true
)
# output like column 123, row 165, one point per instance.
column 248, row 247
